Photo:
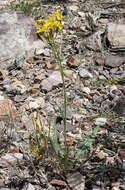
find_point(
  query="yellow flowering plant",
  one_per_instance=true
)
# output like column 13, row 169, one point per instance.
column 48, row 30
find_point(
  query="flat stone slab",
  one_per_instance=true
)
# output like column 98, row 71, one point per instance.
column 10, row 159
column 114, row 61
column 17, row 35
column 54, row 80
column 7, row 110
column 116, row 35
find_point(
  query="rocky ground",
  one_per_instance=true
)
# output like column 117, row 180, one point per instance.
column 93, row 58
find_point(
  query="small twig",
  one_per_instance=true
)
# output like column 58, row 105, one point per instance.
column 5, row 59
column 111, row 5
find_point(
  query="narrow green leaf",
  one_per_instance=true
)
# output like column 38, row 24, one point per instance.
column 56, row 144
column 83, row 146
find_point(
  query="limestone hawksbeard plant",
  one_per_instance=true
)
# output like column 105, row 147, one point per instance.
column 48, row 30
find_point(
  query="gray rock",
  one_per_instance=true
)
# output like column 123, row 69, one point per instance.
column 77, row 117
column 20, row 98
column 30, row 187
column 7, row 109
column 100, row 121
column 12, row 134
column 3, row 3
column 2, row 183
column 78, row 184
column 116, row 35
column 33, row 105
column 10, row 89
column 114, row 70
column 87, row 103
column 17, row 35
column 119, row 105
column 28, row 120
column 114, row 91
column 85, row 73
column 15, row 63
column 101, row 77
column 1, row 97
column 100, row 69
column 68, row 113
column 93, row 42
column 52, row 81
column 98, row 99
column 96, row 187
column 15, row 88
column 106, row 74
column 10, row 158
column 114, row 61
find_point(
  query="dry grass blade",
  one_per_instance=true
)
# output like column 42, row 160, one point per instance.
column 38, row 140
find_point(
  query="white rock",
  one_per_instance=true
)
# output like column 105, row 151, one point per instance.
column 100, row 121
column 10, row 158
column 85, row 73
column 21, row 88
column 116, row 35
column 40, row 101
column 86, row 90
column 82, row 14
column 115, row 188
column 1, row 97
column 78, row 184
column 39, row 51
column 73, row 7
column 30, row 187
column 33, row 105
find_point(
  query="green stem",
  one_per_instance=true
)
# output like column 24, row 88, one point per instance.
column 57, row 54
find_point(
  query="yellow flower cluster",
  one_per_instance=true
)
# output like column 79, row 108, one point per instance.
column 52, row 23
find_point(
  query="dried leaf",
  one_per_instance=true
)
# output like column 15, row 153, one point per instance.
column 70, row 141
column 15, row 150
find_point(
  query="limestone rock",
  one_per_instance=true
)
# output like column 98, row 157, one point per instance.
column 116, row 35
column 17, row 35
column 52, row 81
column 7, row 109
column 10, row 158
column 114, row 61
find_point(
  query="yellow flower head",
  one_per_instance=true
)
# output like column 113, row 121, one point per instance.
column 51, row 19
column 53, row 23
column 58, row 15
column 58, row 25
column 40, row 21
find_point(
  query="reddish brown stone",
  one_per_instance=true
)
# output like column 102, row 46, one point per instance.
column 122, row 154
column 7, row 110
column 58, row 182
column 100, row 61
column 103, row 20
column 116, row 184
